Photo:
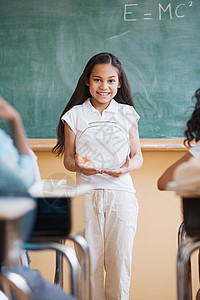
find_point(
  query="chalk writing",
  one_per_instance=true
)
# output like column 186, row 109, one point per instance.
column 126, row 12
column 147, row 17
column 130, row 11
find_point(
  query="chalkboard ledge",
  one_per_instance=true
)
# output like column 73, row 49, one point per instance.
column 162, row 145
column 45, row 145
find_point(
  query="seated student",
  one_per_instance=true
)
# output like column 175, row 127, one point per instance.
column 192, row 133
column 17, row 174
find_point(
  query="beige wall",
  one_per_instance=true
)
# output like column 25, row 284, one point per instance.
column 155, row 248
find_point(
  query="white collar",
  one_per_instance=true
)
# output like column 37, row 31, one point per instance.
column 88, row 108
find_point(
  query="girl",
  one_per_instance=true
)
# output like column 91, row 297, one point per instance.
column 103, row 97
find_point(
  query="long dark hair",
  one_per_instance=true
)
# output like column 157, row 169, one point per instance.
column 81, row 93
column 193, row 124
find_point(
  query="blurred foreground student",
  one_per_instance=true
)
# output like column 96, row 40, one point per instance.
column 17, row 174
column 192, row 133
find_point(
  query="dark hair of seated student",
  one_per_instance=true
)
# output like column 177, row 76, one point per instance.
column 193, row 124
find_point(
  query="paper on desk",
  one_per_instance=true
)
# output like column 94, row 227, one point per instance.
column 171, row 186
column 53, row 189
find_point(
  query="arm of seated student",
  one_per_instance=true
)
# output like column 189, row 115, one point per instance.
column 7, row 112
column 72, row 161
column 19, row 175
column 16, row 163
column 135, row 159
column 167, row 176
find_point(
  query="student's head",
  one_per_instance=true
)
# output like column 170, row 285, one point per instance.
column 193, row 125
column 123, row 93
column 103, row 83
column 83, row 90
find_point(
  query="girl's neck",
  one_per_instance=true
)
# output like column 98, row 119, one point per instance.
column 99, row 106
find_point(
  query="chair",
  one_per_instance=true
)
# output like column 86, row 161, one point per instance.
column 85, row 265
column 14, row 283
column 65, row 251
column 11, row 214
column 3, row 296
column 14, row 211
column 188, row 241
column 52, row 228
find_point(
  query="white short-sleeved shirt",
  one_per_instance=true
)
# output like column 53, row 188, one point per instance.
column 80, row 117
column 195, row 150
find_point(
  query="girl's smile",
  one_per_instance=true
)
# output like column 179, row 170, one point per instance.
column 103, row 85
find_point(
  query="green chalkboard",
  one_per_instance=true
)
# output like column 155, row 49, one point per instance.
column 45, row 44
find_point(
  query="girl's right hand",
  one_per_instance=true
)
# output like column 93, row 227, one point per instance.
column 85, row 170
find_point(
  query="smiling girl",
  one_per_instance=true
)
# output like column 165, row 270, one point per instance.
column 101, row 112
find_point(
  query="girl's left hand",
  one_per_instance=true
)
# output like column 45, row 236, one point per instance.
column 84, row 169
column 118, row 172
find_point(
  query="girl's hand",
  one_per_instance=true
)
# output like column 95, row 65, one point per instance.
column 118, row 172
column 85, row 170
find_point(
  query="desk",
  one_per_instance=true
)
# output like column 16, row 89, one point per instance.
column 191, row 240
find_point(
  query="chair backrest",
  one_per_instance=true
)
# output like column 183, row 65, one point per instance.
column 191, row 213
column 53, row 220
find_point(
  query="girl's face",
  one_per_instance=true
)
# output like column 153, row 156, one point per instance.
column 103, row 85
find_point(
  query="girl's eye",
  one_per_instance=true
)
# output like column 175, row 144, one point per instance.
column 97, row 80
column 111, row 80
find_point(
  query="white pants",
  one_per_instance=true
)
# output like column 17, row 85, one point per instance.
column 110, row 227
